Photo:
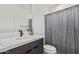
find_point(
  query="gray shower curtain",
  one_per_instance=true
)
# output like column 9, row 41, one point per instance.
column 62, row 30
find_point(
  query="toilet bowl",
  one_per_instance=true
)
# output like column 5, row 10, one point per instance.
column 48, row 49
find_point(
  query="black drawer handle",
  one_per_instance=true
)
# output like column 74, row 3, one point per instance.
column 31, row 49
column 28, row 51
column 35, row 46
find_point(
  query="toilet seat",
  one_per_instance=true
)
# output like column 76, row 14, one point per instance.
column 49, row 49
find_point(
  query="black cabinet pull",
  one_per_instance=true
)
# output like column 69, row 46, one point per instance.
column 28, row 51
column 35, row 46
column 31, row 49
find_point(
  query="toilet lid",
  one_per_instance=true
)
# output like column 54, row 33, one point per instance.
column 49, row 47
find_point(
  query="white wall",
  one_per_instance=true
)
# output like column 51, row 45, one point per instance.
column 11, row 16
column 38, row 12
column 38, row 19
column 6, row 22
column 21, row 15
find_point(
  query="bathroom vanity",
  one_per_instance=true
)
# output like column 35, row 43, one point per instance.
column 32, row 45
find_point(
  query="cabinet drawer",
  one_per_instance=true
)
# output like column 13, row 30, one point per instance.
column 36, row 50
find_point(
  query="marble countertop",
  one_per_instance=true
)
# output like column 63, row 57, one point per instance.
column 13, row 42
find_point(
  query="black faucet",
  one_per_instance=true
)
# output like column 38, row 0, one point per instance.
column 21, row 33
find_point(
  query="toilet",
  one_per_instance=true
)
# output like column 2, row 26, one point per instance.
column 48, row 49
